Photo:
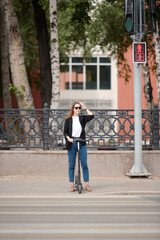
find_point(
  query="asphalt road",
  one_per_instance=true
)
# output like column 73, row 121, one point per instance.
column 80, row 217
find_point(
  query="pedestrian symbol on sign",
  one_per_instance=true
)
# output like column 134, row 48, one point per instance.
column 139, row 52
column 139, row 47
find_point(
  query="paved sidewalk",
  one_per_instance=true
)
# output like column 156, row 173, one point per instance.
column 50, row 186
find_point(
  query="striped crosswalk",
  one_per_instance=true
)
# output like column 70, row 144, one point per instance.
column 79, row 217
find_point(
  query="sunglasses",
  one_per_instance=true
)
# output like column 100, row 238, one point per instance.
column 77, row 108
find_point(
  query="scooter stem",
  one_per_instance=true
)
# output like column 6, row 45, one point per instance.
column 78, row 145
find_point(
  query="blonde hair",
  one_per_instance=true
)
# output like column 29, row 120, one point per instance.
column 71, row 111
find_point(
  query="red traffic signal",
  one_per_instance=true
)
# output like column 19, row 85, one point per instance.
column 139, row 52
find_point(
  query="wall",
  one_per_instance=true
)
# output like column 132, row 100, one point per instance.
column 55, row 163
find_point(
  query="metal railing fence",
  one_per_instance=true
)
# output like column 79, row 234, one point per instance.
column 43, row 129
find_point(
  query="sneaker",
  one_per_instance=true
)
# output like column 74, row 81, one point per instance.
column 71, row 189
column 88, row 188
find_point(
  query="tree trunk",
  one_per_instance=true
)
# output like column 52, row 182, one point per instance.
column 157, row 50
column 44, row 53
column 147, row 86
column 7, row 101
column 54, row 56
column 19, row 75
column 5, row 59
column 16, row 57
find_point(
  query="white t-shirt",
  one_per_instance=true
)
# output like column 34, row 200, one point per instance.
column 76, row 127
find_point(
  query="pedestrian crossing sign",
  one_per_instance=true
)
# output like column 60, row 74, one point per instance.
column 139, row 52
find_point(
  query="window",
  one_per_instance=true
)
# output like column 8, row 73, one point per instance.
column 77, row 60
column 105, row 60
column 105, row 76
column 78, row 74
column 77, row 77
column 91, row 77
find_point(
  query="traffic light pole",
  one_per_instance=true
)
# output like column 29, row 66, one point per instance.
column 138, row 168
column 137, row 119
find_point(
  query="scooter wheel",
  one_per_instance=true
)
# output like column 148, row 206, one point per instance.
column 79, row 188
column 76, row 182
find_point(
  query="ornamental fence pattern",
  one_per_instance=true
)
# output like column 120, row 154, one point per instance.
column 43, row 129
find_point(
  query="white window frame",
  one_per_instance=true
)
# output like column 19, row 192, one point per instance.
column 98, row 64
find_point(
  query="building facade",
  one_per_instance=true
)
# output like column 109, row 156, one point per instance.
column 93, row 82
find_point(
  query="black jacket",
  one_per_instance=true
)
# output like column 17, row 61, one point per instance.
column 68, row 128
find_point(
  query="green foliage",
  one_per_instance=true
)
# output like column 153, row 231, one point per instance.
column 84, row 25
column 19, row 92
column 16, row 91
column 80, row 15
column 73, row 19
column 81, row 24
column 148, row 37
column 107, row 30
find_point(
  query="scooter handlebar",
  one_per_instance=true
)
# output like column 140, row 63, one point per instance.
column 79, row 140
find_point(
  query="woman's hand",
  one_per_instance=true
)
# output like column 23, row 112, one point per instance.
column 82, row 105
column 69, row 139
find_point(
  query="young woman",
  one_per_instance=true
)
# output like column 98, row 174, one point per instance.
column 75, row 127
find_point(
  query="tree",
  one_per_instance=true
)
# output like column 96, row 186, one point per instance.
column 5, row 58
column 44, row 52
column 25, row 15
column 54, row 56
column 107, row 31
column 34, row 24
column 73, row 19
column 153, row 51
column 147, row 86
column 18, row 71
column 157, row 50
column 87, row 25
column 7, row 101
column 16, row 57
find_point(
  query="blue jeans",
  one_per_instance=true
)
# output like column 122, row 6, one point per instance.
column 83, row 159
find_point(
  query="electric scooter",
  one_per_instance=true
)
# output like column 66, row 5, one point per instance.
column 78, row 184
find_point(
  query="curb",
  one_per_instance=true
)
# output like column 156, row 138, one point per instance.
column 85, row 195
column 134, row 193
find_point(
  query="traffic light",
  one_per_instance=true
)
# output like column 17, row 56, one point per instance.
column 139, row 52
column 140, row 8
column 152, row 12
column 129, row 16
